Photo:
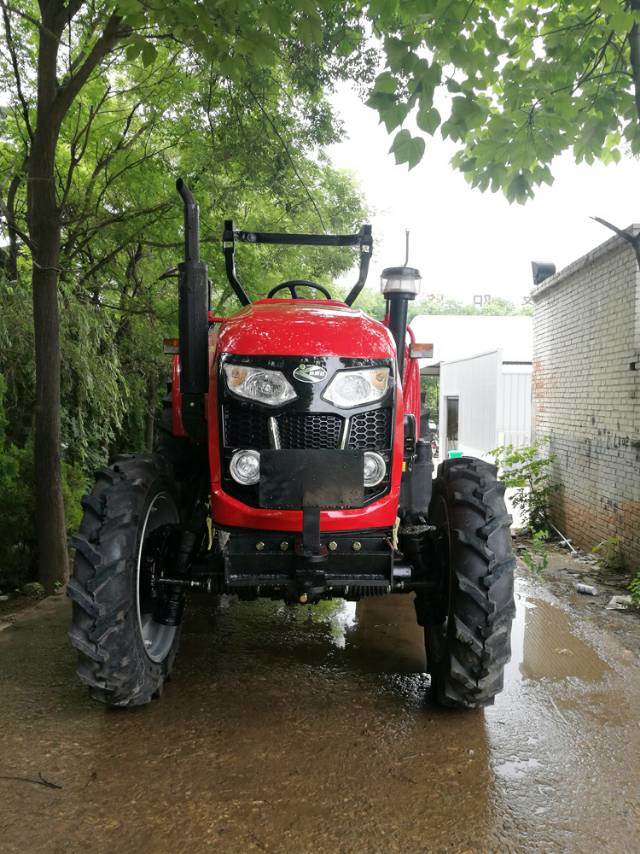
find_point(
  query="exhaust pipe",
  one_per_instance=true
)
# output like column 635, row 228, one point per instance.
column 193, row 322
column 193, row 306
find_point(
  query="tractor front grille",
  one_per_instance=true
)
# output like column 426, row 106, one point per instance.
column 309, row 430
column 246, row 427
column 371, row 431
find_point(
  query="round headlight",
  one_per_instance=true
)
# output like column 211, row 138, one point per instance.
column 353, row 388
column 266, row 386
column 375, row 468
column 245, row 467
column 260, row 384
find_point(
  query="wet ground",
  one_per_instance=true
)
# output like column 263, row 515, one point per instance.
column 300, row 730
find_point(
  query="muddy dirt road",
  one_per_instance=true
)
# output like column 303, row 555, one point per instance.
column 300, row 730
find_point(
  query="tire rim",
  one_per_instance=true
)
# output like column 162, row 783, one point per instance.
column 157, row 638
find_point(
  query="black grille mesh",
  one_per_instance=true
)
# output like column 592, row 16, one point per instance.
column 245, row 428
column 371, row 430
column 304, row 430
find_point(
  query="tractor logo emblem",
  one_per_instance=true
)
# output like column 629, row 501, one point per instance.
column 310, row 373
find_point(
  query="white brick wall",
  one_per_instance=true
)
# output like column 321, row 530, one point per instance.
column 586, row 397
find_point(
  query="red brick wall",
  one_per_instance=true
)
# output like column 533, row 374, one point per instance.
column 586, row 397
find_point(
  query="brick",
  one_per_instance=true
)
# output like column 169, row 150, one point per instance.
column 585, row 397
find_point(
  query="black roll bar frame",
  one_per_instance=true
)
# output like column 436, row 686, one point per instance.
column 363, row 239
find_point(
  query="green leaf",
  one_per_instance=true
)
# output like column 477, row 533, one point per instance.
column 394, row 115
column 519, row 189
column 310, row 30
column 386, row 83
column 428, row 120
column 149, row 54
column 407, row 149
column 134, row 49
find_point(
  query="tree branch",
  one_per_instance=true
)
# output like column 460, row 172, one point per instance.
column 288, row 153
column 109, row 37
column 16, row 68
column 634, row 56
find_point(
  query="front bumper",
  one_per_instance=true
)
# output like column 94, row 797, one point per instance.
column 346, row 564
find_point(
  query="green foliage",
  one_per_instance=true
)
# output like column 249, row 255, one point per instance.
column 17, row 534
column 514, row 84
column 610, row 555
column 430, row 392
column 535, row 557
column 527, row 470
column 634, row 589
column 232, row 101
column 33, row 590
column 496, row 306
column 372, row 302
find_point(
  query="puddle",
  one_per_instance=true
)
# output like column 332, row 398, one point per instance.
column 545, row 647
column 380, row 635
column 384, row 630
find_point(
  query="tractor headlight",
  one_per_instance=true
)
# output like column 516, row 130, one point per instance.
column 245, row 467
column 269, row 387
column 355, row 388
column 375, row 468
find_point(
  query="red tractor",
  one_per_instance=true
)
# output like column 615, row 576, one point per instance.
column 291, row 466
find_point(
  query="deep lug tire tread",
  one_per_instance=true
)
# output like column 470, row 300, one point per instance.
column 104, row 629
column 469, row 670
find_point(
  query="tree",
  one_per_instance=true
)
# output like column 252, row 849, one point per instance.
column 66, row 45
column 514, row 84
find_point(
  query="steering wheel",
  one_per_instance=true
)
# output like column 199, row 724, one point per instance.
column 292, row 284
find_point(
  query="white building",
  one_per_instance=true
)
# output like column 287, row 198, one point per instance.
column 485, row 401
column 484, row 366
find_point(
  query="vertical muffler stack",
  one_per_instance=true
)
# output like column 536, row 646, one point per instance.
column 193, row 306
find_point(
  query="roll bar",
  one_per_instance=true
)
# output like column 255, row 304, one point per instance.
column 362, row 239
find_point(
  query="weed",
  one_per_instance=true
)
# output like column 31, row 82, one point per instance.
column 634, row 589
column 609, row 554
column 535, row 558
column 528, row 471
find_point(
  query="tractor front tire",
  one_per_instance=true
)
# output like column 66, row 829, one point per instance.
column 125, row 655
column 468, row 642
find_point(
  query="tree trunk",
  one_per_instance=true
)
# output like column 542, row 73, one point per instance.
column 53, row 102
column 44, row 231
column 50, row 521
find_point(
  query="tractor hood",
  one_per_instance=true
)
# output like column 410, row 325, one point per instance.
column 305, row 327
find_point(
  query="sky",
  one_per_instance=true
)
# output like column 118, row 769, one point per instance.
column 466, row 242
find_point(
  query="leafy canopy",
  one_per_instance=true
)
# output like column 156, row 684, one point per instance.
column 512, row 83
